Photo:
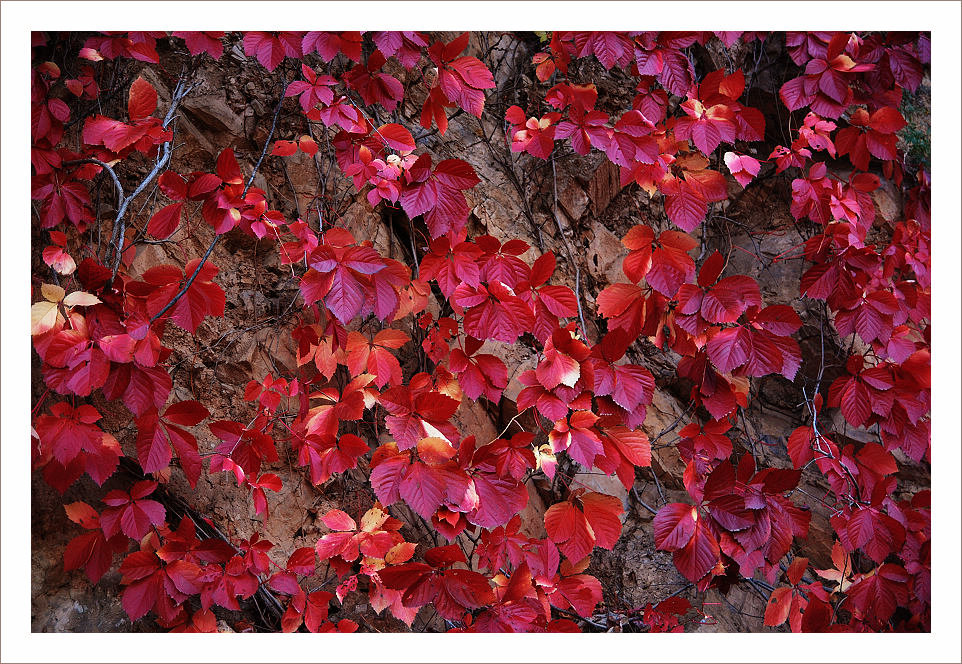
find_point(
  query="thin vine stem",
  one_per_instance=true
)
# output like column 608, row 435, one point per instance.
column 250, row 181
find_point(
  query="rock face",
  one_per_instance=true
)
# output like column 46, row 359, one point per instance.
column 232, row 107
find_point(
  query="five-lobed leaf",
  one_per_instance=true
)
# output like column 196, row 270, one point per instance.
column 577, row 529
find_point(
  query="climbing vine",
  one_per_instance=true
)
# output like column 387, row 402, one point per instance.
column 107, row 182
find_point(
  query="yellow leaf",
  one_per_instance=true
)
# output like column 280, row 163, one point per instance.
column 373, row 519
column 400, row 553
column 43, row 317
column 842, row 571
column 80, row 299
column 52, row 293
column 436, row 449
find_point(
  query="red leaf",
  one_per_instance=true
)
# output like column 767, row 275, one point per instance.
column 674, row 526
column 742, row 167
column 880, row 593
column 185, row 576
column 778, row 319
column 284, row 582
column 200, row 42
column 501, row 315
column 202, row 186
column 729, row 298
column 686, row 208
column 699, row 556
column 632, row 386
column 186, row 413
column 567, row 527
column 449, row 213
column 614, row 299
column 499, row 500
column 577, row 531
column 307, row 145
column 397, row 137
column 481, row 374
column 165, row 221
column 855, row 403
column 582, row 592
column 153, row 451
column 624, row 449
column 603, row 514
column 433, row 110
column 142, row 100
column 711, row 269
column 185, row 445
column 283, row 148
column 139, row 597
column 266, row 46
column 778, row 607
column 800, row 446
column 419, row 199
column 227, row 167
column 456, row 174
column 134, row 520
column 676, row 74
column 203, row 298
column 139, row 565
column 451, row 592
column 83, row 514
column 329, row 44
column 145, row 388
column 339, row 520
column 386, row 477
column 794, row 94
column 764, row 356
column 93, row 552
column 817, row 615
column 728, row 349
column 860, row 527
column 423, row 489
column 557, row 369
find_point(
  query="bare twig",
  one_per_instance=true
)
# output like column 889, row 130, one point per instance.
column 180, row 91
column 107, row 167
column 507, row 166
column 575, row 616
column 648, row 507
column 671, row 427
column 571, row 257
column 297, row 204
column 510, row 422
column 213, row 243
column 661, row 494
column 679, row 591
column 414, row 253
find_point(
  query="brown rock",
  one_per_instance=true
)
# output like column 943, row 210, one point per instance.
column 148, row 256
column 532, row 516
column 212, row 113
column 610, row 485
column 888, row 201
column 472, row 419
column 605, row 255
column 662, row 413
column 603, row 187
column 572, row 198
